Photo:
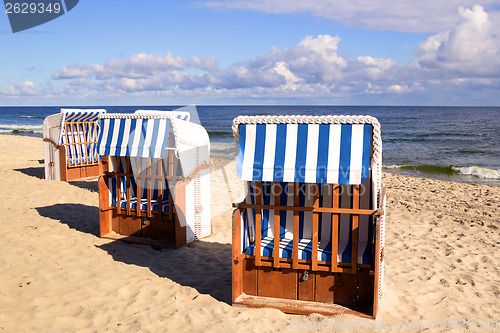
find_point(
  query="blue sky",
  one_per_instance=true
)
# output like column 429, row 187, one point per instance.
column 357, row 52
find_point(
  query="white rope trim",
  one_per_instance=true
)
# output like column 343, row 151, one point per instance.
column 152, row 111
column 177, row 136
column 292, row 119
column 136, row 116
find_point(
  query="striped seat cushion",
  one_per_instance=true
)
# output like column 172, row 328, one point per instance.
column 89, row 159
column 154, row 183
column 144, row 204
column 305, row 250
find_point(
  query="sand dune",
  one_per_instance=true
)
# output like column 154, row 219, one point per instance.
column 442, row 244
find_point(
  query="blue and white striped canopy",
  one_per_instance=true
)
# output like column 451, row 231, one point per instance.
column 77, row 115
column 309, row 153
column 133, row 136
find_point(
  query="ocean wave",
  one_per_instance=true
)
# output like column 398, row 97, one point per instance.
column 31, row 117
column 224, row 148
column 449, row 170
column 219, row 134
column 427, row 135
column 479, row 172
column 20, row 129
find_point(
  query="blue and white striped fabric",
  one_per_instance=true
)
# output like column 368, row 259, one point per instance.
column 75, row 133
column 134, row 137
column 310, row 153
column 286, row 198
column 81, row 152
column 81, row 115
column 112, row 185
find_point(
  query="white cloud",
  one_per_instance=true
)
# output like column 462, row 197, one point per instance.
column 140, row 65
column 20, row 89
column 316, row 59
column 470, row 49
column 394, row 15
column 208, row 64
column 461, row 62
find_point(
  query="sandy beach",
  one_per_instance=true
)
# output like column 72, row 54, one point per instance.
column 57, row 275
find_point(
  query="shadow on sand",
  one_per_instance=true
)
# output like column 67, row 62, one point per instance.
column 77, row 216
column 91, row 185
column 32, row 171
column 204, row 266
column 38, row 172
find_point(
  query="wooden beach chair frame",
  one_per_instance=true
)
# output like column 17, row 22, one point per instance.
column 288, row 282
column 70, row 145
column 134, row 211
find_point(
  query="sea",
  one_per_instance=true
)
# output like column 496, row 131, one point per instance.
column 459, row 144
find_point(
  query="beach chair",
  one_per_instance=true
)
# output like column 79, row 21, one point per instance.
column 70, row 145
column 155, row 188
column 309, row 235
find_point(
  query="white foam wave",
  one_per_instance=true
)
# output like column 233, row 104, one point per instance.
column 226, row 148
column 392, row 166
column 4, row 128
column 479, row 172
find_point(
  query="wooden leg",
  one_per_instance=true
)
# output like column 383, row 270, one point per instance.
column 237, row 264
column 180, row 215
column 104, row 213
column 62, row 164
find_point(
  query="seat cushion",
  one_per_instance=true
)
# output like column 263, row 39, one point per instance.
column 305, row 250
column 144, row 204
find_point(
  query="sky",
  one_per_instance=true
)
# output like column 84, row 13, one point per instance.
column 262, row 52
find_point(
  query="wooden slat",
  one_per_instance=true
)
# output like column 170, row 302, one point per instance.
column 148, row 182
column 138, row 182
column 90, row 143
column 68, row 145
column 296, row 202
column 93, row 145
column 323, row 266
column 159, row 183
column 128, row 185
column 335, row 228
column 276, row 252
column 355, row 225
column 314, row 254
column 118, row 187
column 258, row 222
column 312, row 209
column 78, row 145
column 86, row 129
column 170, row 174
